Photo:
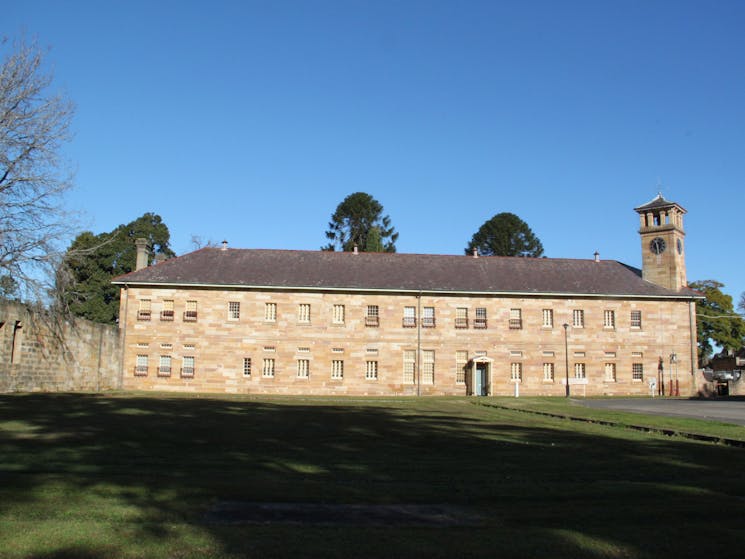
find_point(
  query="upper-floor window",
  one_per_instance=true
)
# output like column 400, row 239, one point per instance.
column 187, row 366
column 270, row 312
column 190, row 314
column 578, row 318
column 303, row 312
column 480, row 319
column 409, row 317
column 609, row 319
column 461, row 317
column 166, row 314
column 143, row 312
column 548, row 318
column 234, row 310
column 409, row 366
column 516, row 319
column 428, row 317
column 338, row 314
column 636, row 319
column 372, row 318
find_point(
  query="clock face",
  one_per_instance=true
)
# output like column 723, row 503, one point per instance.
column 680, row 246
column 657, row 245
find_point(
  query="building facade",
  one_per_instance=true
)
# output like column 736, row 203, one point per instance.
column 328, row 323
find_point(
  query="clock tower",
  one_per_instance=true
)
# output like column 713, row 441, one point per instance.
column 663, row 248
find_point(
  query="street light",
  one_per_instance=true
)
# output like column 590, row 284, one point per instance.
column 566, row 357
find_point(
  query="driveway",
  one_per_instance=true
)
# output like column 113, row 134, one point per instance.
column 726, row 410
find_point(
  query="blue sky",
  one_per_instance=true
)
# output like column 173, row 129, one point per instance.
column 251, row 120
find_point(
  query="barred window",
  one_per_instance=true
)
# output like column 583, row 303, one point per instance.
column 428, row 366
column 337, row 369
column 480, row 320
column 409, row 366
column 461, row 361
column 303, row 368
column 141, row 366
column 267, row 368
column 164, row 369
column 461, row 317
column 548, row 318
column 548, row 372
column 371, row 370
column 579, row 370
column 187, row 366
column 409, row 317
column 516, row 371
column 578, row 318
column 636, row 319
column 372, row 318
column 338, row 314
column 516, row 322
column 270, row 312
column 303, row 312
column 234, row 310
column 166, row 314
column 609, row 319
column 610, row 372
column 428, row 317
column 143, row 312
column 637, row 371
column 246, row 366
column 190, row 314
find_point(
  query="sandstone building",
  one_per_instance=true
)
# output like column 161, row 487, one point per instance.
column 304, row 322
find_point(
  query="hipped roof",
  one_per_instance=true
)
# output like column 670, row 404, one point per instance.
column 346, row 271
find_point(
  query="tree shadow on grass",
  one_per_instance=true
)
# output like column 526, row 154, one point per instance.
column 145, row 470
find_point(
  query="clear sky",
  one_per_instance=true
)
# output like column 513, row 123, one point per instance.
column 251, row 120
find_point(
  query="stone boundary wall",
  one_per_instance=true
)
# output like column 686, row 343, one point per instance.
column 38, row 353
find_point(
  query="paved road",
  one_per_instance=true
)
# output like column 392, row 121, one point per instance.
column 727, row 410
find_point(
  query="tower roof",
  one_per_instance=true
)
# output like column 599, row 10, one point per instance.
column 659, row 203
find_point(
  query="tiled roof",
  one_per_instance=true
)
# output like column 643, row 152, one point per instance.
column 658, row 202
column 398, row 272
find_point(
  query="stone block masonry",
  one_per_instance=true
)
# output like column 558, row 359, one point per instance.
column 39, row 353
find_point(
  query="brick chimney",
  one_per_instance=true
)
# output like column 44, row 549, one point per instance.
column 142, row 254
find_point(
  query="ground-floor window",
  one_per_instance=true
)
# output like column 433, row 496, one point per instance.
column 187, row 366
column 548, row 372
column 516, row 371
column 637, row 371
column 303, row 368
column 141, row 366
column 428, row 366
column 409, row 365
column 246, row 366
column 164, row 369
column 580, row 371
column 461, row 361
column 267, row 368
column 337, row 369
column 610, row 372
column 371, row 370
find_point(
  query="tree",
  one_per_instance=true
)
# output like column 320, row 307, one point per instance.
column 741, row 303
column 34, row 124
column 93, row 260
column 716, row 320
column 374, row 244
column 505, row 234
column 353, row 221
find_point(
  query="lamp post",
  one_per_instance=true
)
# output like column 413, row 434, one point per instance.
column 566, row 358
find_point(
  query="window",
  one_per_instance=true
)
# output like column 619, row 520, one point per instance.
column 246, row 366
column 637, row 372
column 428, row 317
column 143, row 345
column 303, row 350
column 579, row 353
column 338, row 314
column 234, row 310
column 610, row 354
column 337, row 369
column 638, row 354
column 548, row 354
column 409, row 317
column 372, row 351
column 636, row 319
column 516, row 353
column 190, row 314
column 371, row 370
column 303, row 368
column 141, row 366
column 461, row 317
column 270, row 312
column 303, row 312
column 267, row 368
column 609, row 319
column 578, row 318
column 187, row 366
column 166, row 346
column 548, row 372
column 610, row 372
column 337, row 350
column 428, row 366
column 516, row 371
column 548, row 318
column 164, row 370
column 461, row 361
column 480, row 320
column 516, row 321
column 270, row 348
column 372, row 318
column 579, row 370
column 143, row 312
column 166, row 315
column 409, row 366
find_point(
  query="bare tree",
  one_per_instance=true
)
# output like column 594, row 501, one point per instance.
column 34, row 124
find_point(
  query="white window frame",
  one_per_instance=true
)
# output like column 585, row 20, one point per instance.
column 548, row 318
column 428, row 366
column 409, row 367
column 270, row 312
column 246, row 366
column 609, row 319
column 578, row 318
column 338, row 314
column 371, row 370
column 580, row 370
column 188, row 366
column 610, row 372
column 234, row 310
column 303, row 313
column 549, row 372
column 516, row 371
column 337, row 369
column 303, row 368
column 268, row 367
column 635, row 320
column 461, row 361
column 637, row 372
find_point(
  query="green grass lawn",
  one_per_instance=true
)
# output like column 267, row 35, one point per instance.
column 132, row 475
